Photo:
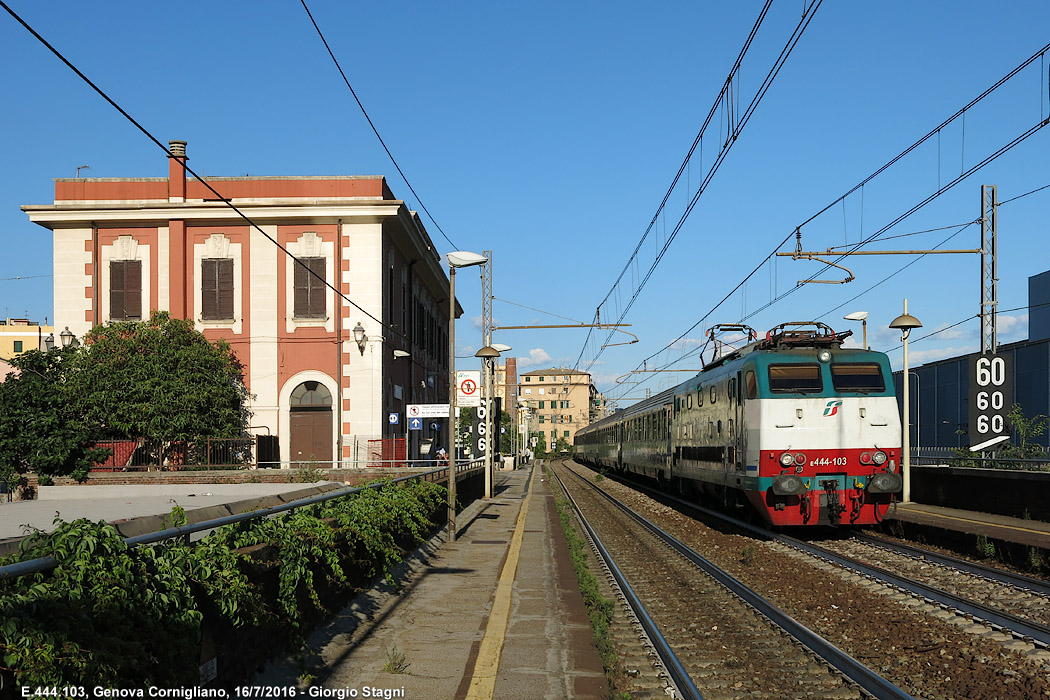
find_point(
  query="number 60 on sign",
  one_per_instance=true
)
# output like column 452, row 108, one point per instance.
column 991, row 396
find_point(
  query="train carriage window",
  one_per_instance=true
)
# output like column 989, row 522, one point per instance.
column 752, row 384
column 795, row 378
column 731, row 388
column 714, row 395
column 857, row 376
column 699, row 397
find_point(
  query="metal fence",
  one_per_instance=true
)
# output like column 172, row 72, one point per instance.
column 961, row 457
column 257, row 451
column 145, row 454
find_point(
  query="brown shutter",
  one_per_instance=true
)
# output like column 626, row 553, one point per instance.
column 209, row 289
column 317, row 289
column 302, row 289
column 133, row 289
column 225, row 284
column 309, row 290
column 116, row 290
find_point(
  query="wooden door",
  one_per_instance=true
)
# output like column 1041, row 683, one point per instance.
column 311, row 438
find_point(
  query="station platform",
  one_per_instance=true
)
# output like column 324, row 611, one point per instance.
column 496, row 614
column 1028, row 533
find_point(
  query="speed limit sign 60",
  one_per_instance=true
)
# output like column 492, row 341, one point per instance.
column 991, row 396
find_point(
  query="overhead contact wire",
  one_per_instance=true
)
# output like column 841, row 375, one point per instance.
column 200, row 179
column 372, row 124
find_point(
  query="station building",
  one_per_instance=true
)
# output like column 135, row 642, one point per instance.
column 322, row 371
column 940, row 390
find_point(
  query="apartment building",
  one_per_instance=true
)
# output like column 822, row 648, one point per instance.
column 557, row 403
column 17, row 335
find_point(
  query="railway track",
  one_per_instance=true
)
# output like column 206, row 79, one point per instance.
column 716, row 637
column 1016, row 604
column 924, row 647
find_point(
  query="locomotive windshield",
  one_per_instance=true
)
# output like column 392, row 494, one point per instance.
column 795, row 378
column 857, row 376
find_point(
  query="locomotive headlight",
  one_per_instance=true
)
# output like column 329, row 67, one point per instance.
column 824, row 356
column 787, row 459
column 879, row 457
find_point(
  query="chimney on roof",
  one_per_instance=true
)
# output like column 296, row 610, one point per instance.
column 177, row 171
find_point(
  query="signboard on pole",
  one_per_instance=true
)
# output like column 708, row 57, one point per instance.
column 479, row 430
column 427, row 410
column 991, row 396
column 468, row 388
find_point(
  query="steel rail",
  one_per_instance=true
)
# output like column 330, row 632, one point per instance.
column 1028, row 583
column 849, row 667
column 31, row 566
column 678, row 675
column 1004, row 620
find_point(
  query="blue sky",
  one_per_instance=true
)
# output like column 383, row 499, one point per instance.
column 549, row 132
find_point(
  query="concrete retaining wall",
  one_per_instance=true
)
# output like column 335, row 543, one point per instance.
column 1012, row 493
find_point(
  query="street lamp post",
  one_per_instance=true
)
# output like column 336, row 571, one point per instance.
column 861, row 316
column 905, row 323
column 457, row 259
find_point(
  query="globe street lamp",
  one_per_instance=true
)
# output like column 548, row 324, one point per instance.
column 905, row 322
column 456, row 260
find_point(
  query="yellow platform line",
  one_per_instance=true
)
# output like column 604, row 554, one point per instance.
column 483, row 679
column 979, row 522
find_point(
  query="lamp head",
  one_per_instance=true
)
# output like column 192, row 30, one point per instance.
column 501, row 347
column 359, row 337
column 905, row 322
column 401, row 353
column 464, row 258
column 487, row 353
column 857, row 316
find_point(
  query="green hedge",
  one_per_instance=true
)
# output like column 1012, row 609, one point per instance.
column 125, row 617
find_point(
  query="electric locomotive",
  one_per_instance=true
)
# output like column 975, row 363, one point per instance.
column 793, row 426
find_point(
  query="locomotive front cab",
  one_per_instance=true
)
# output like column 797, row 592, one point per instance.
column 826, row 435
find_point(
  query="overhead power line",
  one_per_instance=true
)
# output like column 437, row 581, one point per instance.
column 374, row 129
column 200, row 179
column 728, row 102
column 942, row 189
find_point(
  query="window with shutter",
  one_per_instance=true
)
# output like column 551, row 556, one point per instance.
column 217, row 289
column 310, row 288
column 125, row 290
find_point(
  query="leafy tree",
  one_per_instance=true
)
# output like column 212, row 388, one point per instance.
column 1026, row 430
column 541, row 444
column 160, row 379
column 508, row 439
column 41, row 428
column 563, row 445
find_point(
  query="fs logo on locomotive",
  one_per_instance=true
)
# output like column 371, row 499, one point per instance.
column 832, row 408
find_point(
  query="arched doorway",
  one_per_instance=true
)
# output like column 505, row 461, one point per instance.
column 310, row 418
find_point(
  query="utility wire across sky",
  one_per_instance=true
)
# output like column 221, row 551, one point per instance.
column 1043, row 121
column 200, row 179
